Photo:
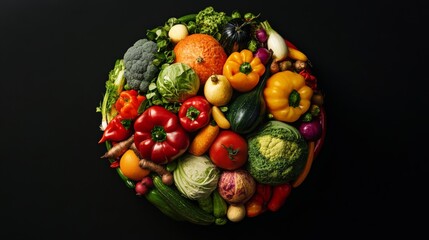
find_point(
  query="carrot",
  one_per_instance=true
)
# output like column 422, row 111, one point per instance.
column 301, row 177
column 204, row 139
column 119, row 148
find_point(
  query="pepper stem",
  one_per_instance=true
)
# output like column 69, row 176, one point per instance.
column 246, row 68
column 192, row 113
column 158, row 134
column 294, row 98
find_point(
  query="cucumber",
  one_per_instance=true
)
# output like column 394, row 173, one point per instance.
column 185, row 207
column 220, row 206
column 206, row 204
column 153, row 196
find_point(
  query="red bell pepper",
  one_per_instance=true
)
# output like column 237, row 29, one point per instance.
column 117, row 129
column 254, row 206
column 194, row 113
column 158, row 135
column 258, row 203
column 279, row 196
column 128, row 103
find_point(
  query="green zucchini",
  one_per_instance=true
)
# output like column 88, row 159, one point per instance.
column 185, row 207
column 154, row 196
column 247, row 110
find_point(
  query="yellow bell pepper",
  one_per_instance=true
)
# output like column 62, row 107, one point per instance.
column 243, row 70
column 287, row 96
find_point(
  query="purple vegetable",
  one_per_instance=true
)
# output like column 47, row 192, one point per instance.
column 263, row 54
column 311, row 131
column 261, row 35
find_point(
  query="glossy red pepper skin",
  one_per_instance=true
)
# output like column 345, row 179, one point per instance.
column 128, row 104
column 194, row 113
column 117, row 129
column 254, row 206
column 278, row 198
column 258, row 203
column 158, row 135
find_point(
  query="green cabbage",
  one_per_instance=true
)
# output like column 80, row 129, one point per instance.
column 196, row 176
column 177, row 82
column 277, row 153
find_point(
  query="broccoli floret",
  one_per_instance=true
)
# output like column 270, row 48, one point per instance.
column 139, row 67
column 210, row 22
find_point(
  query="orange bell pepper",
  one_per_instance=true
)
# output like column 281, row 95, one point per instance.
column 243, row 70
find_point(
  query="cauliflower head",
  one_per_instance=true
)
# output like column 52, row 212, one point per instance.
column 139, row 67
column 277, row 153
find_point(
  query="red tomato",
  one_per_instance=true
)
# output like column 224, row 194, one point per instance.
column 229, row 150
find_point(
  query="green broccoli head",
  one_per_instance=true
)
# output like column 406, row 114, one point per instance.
column 139, row 67
column 277, row 153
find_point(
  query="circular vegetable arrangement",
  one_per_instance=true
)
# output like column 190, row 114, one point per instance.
column 213, row 117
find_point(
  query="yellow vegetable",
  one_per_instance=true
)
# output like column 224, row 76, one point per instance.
column 295, row 54
column 287, row 96
column 217, row 90
column 220, row 118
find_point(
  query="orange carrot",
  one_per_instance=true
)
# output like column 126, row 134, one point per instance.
column 301, row 177
column 204, row 139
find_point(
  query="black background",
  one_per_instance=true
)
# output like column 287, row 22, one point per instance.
column 369, row 180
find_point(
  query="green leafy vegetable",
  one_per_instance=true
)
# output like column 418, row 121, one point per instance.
column 177, row 82
column 277, row 153
column 196, row 176
column 211, row 22
column 114, row 86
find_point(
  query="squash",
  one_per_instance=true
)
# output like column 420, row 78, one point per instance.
column 248, row 109
column 236, row 35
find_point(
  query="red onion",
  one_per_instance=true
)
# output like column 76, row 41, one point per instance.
column 261, row 35
column 263, row 54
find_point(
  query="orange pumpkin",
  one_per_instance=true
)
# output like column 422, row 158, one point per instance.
column 203, row 53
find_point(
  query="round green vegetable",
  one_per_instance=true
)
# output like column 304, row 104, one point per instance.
column 196, row 176
column 277, row 153
column 177, row 82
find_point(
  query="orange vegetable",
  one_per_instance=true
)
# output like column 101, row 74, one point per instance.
column 301, row 177
column 204, row 139
column 243, row 70
column 287, row 96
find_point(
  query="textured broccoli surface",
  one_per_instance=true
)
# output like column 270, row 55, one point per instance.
column 277, row 153
column 139, row 67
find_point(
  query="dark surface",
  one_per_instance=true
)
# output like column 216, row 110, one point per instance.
column 369, row 180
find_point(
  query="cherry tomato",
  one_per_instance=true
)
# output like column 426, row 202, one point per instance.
column 229, row 150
